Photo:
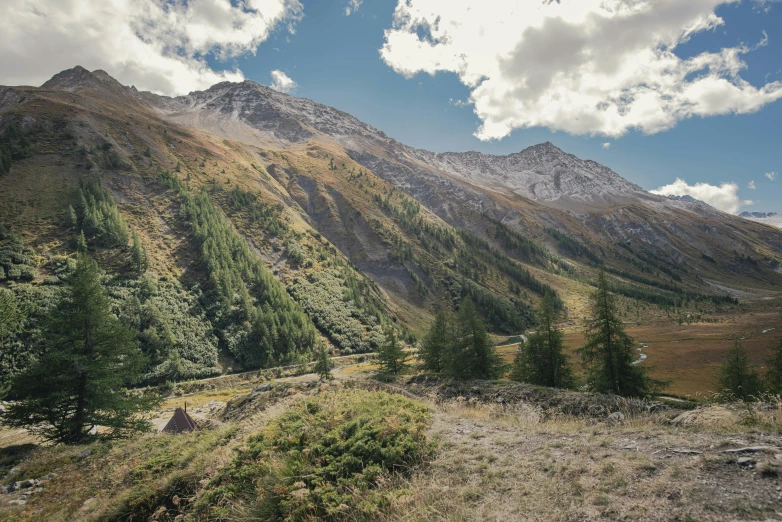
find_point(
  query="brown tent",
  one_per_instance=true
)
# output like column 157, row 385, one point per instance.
column 180, row 422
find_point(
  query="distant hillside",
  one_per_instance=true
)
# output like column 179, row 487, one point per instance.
column 272, row 223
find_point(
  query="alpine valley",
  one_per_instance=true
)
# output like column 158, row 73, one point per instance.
column 242, row 198
column 243, row 305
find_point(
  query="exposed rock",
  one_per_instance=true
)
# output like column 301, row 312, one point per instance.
column 263, row 388
column 83, row 455
column 616, row 416
column 710, row 416
column 17, row 502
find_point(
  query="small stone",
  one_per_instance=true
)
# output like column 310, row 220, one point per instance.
column 745, row 461
column 83, row 455
column 616, row 416
column 263, row 387
column 17, row 502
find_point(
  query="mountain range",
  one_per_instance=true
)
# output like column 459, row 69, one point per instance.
column 336, row 210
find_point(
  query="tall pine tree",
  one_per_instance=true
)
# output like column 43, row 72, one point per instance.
column 391, row 357
column 472, row 355
column 89, row 359
column 323, row 362
column 138, row 254
column 437, row 343
column 774, row 370
column 609, row 352
column 738, row 378
column 541, row 359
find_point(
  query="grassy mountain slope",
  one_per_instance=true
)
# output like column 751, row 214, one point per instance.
column 303, row 206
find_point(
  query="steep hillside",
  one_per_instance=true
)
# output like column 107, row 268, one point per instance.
column 534, row 190
column 277, row 223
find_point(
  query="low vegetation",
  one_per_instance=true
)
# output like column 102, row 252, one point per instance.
column 330, row 457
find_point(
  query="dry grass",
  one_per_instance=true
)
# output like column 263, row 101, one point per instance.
column 498, row 463
column 690, row 355
column 493, row 462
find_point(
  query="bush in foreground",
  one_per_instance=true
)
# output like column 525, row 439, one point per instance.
column 324, row 459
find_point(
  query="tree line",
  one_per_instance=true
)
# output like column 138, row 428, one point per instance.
column 458, row 346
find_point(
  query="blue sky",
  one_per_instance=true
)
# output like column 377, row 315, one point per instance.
column 334, row 59
column 657, row 90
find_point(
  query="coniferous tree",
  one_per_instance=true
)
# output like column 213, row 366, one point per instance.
column 323, row 363
column 609, row 352
column 774, row 370
column 738, row 378
column 391, row 357
column 138, row 254
column 437, row 343
column 541, row 359
column 72, row 219
column 88, row 359
column 472, row 355
column 81, row 243
column 12, row 319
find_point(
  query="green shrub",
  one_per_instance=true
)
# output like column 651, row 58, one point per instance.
column 339, row 309
column 325, row 458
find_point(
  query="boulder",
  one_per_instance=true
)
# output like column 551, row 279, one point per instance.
column 710, row 416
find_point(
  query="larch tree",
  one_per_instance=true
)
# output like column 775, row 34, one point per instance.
column 541, row 359
column 391, row 357
column 138, row 254
column 609, row 351
column 323, row 363
column 472, row 355
column 437, row 343
column 88, row 361
column 738, row 377
column 774, row 370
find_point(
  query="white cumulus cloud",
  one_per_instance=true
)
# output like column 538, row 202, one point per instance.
column 771, row 175
column 154, row 44
column 724, row 197
column 282, row 82
column 352, row 6
column 595, row 67
column 606, row 145
column 751, row 185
